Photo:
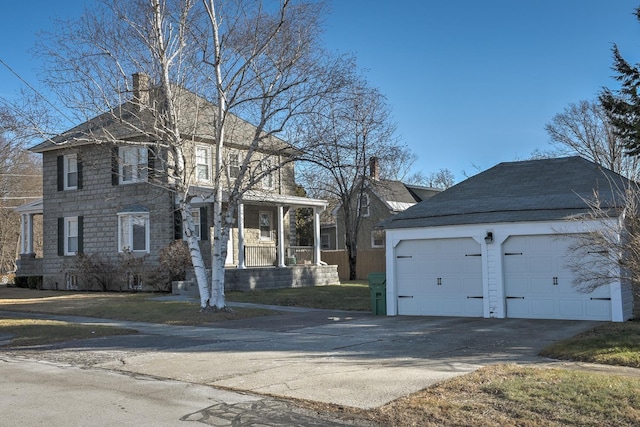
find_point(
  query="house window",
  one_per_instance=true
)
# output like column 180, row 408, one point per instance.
column 71, row 235
column 265, row 226
column 133, row 232
column 377, row 239
column 267, row 174
column 363, row 205
column 324, row 241
column 133, row 164
column 203, row 163
column 70, row 172
column 234, row 165
column 196, row 223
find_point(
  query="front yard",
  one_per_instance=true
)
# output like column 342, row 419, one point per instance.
column 506, row 395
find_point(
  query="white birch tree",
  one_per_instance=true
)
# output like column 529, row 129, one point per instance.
column 209, row 63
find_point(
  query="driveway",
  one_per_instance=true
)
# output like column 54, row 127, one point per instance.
column 351, row 359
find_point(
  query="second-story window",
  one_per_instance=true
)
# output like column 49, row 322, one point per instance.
column 363, row 205
column 70, row 172
column 234, row 165
column 133, row 164
column 203, row 163
column 267, row 174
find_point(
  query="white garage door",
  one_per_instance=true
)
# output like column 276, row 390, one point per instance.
column 439, row 277
column 538, row 283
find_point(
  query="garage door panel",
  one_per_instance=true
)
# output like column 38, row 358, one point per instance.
column 435, row 277
column 536, row 272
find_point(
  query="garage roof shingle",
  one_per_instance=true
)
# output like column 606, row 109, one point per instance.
column 534, row 190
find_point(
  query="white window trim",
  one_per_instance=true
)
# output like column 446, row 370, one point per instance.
column 268, row 180
column 68, row 227
column 128, row 246
column 66, row 160
column 364, row 211
column 373, row 238
column 207, row 150
column 270, row 216
column 238, row 164
column 195, row 214
column 141, row 154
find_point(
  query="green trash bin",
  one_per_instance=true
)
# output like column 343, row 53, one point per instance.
column 378, row 288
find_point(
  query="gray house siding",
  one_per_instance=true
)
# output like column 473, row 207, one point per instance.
column 97, row 202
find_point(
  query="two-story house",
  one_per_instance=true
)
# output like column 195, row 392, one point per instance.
column 379, row 200
column 105, row 194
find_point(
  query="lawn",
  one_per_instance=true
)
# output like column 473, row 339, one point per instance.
column 122, row 306
column 506, row 395
column 347, row 296
column 608, row 343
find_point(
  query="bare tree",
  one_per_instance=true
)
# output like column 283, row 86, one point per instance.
column 209, row 63
column 610, row 250
column 20, row 183
column 442, row 179
column 350, row 129
column 585, row 130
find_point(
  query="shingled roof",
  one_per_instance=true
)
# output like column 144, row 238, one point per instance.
column 534, row 190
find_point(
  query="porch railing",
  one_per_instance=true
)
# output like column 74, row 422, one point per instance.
column 301, row 254
column 260, row 256
column 267, row 256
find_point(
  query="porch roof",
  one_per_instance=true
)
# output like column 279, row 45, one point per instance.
column 266, row 198
column 34, row 207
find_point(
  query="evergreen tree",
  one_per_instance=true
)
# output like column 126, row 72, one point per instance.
column 622, row 106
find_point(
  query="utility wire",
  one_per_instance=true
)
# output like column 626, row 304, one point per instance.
column 33, row 89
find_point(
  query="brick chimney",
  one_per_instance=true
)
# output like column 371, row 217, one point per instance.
column 374, row 168
column 141, row 86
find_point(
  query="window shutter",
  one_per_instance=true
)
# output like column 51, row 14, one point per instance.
column 204, row 229
column 60, row 236
column 114, row 166
column 151, row 164
column 177, row 225
column 80, row 233
column 79, row 174
column 60, row 171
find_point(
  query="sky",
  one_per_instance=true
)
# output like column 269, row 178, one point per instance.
column 470, row 83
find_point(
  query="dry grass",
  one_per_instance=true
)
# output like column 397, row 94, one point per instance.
column 609, row 343
column 30, row 332
column 121, row 306
column 510, row 395
column 353, row 296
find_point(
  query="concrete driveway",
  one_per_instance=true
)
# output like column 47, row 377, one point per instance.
column 344, row 358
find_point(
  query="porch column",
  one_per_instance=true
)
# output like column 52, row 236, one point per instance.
column 29, row 234
column 23, row 234
column 280, row 236
column 316, row 237
column 241, row 263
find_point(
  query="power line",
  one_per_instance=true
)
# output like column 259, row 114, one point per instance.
column 33, row 89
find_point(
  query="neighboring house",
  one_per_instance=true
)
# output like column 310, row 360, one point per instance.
column 107, row 199
column 381, row 199
column 495, row 245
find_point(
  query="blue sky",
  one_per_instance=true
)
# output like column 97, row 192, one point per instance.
column 471, row 83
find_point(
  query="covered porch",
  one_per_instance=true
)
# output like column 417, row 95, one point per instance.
column 28, row 264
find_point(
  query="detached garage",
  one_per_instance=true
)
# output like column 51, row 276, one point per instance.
column 497, row 245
